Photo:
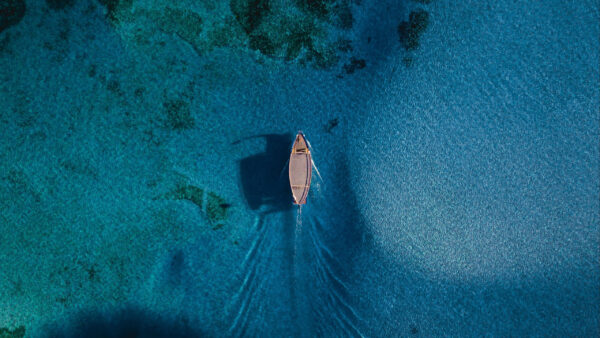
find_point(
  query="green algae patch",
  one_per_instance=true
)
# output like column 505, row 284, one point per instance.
column 188, row 193
column 18, row 332
column 213, row 206
column 410, row 31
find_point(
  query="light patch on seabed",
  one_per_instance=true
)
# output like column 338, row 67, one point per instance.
column 476, row 173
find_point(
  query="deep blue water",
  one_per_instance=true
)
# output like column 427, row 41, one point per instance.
column 143, row 182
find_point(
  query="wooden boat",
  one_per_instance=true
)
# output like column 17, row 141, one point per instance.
column 300, row 169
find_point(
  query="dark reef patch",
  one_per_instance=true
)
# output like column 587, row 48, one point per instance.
column 18, row 332
column 344, row 18
column 215, row 207
column 262, row 43
column 299, row 38
column 114, row 6
column 305, row 30
column 410, row 31
column 187, row 192
column 319, row 7
column 186, row 24
column 59, row 4
column 11, row 13
column 354, row 64
column 331, row 124
column 178, row 114
column 249, row 13
column 92, row 70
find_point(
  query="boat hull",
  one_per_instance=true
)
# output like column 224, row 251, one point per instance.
column 300, row 169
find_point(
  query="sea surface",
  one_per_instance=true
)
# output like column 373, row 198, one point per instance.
column 143, row 177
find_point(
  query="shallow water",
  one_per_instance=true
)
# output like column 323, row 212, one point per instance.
column 143, row 146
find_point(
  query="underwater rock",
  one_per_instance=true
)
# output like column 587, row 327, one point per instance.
column 332, row 124
column 19, row 332
column 413, row 330
column 59, row 4
column 11, row 13
column 411, row 31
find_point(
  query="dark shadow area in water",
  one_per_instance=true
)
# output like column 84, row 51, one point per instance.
column 261, row 174
column 350, row 236
column 125, row 323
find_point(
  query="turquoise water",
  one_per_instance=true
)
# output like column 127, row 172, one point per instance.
column 143, row 184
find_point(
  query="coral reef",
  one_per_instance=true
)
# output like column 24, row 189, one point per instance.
column 278, row 33
column 410, row 31
column 306, row 31
column 18, row 332
column 11, row 12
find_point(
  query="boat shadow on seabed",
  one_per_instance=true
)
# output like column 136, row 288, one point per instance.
column 291, row 282
column 263, row 184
